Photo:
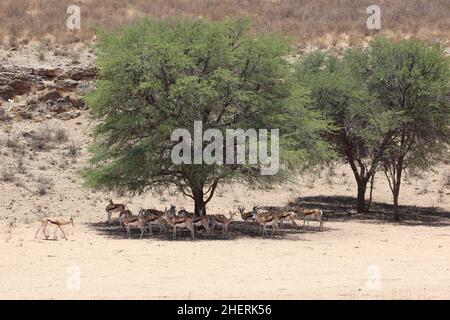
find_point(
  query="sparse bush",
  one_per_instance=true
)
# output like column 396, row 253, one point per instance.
column 21, row 165
column 12, row 41
column 63, row 165
column 7, row 175
column 310, row 183
column 446, row 179
column 41, row 56
column 73, row 149
column 424, row 187
column 13, row 143
column 20, row 184
column 329, row 175
column 60, row 53
column 60, row 135
column 40, row 139
column 75, row 56
column 43, row 185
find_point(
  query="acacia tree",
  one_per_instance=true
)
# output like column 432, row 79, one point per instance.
column 158, row 76
column 340, row 90
column 412, row 81
column 390, row 105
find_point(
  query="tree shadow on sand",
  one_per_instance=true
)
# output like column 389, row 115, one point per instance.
column 236, row 230
column 340, row 208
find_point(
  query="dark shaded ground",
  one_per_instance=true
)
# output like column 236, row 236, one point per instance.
column 237, row 229
column 335, row 208
column 339, row 208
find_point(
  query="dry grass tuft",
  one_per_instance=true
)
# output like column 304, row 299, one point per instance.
column 43, row 185
column 7, row 175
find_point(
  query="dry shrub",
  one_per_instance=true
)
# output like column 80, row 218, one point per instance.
column 13, row 143
column 310, row 183
column 60, row 135
column 424, row 187
column 316, row 22
column 73, row 148
column 21, row 165
column 446, row 179
column 44, row 137
column 41, row 56
column 41, row 139
column 43, row 185
column 7, row 175
column 329, row 175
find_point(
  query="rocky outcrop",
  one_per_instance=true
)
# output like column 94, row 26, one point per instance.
column 79, row 74
column 48, row 73
column 17, row 81
column 44, row 93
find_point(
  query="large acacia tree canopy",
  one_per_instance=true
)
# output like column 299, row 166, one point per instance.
column 157, row 76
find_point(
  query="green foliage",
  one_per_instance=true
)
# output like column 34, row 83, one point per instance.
column 412, row 81
column 390, row 104
column 156, row 76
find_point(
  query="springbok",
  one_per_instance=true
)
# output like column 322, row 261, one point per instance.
column 57, row 222
column 179, row 222
column 265, row 219
column 114, row 207
column 198, row 220
column 250, row 215
column 202, row 220
column 287, row 216
column 129, row 220
column 153, row 217
column 221, row 220
column 311, row 214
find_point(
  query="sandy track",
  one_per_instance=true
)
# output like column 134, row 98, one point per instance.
column 341, row 262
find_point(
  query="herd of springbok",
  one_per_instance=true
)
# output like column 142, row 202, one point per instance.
column 183, row 219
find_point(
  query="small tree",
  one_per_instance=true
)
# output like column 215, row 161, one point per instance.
column 158, row 76
column 412, row 81
column 390, row 104
column 340, row 90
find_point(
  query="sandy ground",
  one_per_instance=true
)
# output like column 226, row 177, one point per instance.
column 349, row 260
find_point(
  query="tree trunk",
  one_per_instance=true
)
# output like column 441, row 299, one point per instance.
column 395, row 195
column 372, row 181
column 361, row 199
column 199, row 202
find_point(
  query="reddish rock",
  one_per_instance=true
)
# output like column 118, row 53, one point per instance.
column 68, row 85
column 82, row 73
column 77, row 102
column 48, row 73
column 20, row 85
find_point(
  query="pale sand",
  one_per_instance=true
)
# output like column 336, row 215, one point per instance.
column 342, row 262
